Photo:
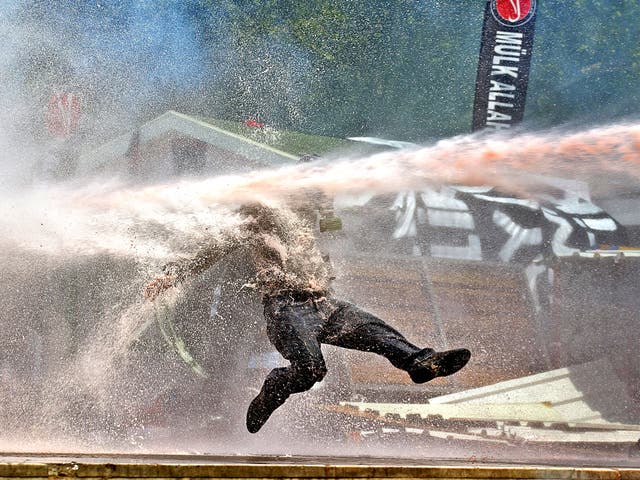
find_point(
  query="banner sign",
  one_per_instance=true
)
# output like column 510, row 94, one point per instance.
column 503, row 68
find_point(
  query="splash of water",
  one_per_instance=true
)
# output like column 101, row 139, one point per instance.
column 511, row 163
column 160, row 220
column 151, row 224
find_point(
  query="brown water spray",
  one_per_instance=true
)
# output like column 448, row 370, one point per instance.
column 508, row 162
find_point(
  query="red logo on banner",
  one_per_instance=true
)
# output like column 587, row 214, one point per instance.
column 63, row 114
column 513, row 12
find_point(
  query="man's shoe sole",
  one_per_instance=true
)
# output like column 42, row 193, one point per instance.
column 439, row 364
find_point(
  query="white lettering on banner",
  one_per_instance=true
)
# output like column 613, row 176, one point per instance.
column 561, row 235
column 443, row 210
column 501, row 87
column 447, row 218
column 444, row 199
column 518, row 235
column 508, row 50
column 496, row 95
column 493, row 105
column 498, row 59
column 405, row 208
column 606, row 224
column 446, row 211
column 472, row 251
column 530, row 204
column 498, row 116
column 504, row 70
column 577, row 206
column 533, row 272
column 509, row 38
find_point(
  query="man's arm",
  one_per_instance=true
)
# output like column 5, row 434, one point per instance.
column 180, row 270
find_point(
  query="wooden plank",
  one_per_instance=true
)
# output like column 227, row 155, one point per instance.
column 261, row 468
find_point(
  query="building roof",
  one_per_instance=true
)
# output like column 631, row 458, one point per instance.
column 266, row 147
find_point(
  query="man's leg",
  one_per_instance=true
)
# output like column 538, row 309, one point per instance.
column 293, row 329
column 351, row 327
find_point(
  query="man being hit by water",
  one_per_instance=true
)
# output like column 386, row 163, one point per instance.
column 293, row 279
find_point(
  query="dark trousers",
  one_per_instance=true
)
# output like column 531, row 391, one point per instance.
column 298, row 327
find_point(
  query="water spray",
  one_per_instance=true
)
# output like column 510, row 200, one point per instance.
column 161, row 220
column 508, row 162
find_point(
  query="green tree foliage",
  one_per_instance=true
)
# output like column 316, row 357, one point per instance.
column 351, row 67
column 586, row 64
column 406, row 69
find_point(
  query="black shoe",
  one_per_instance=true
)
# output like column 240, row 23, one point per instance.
column 430, row 364
column 260, row 410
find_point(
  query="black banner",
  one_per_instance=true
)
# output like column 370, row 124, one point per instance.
column 503, row 68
